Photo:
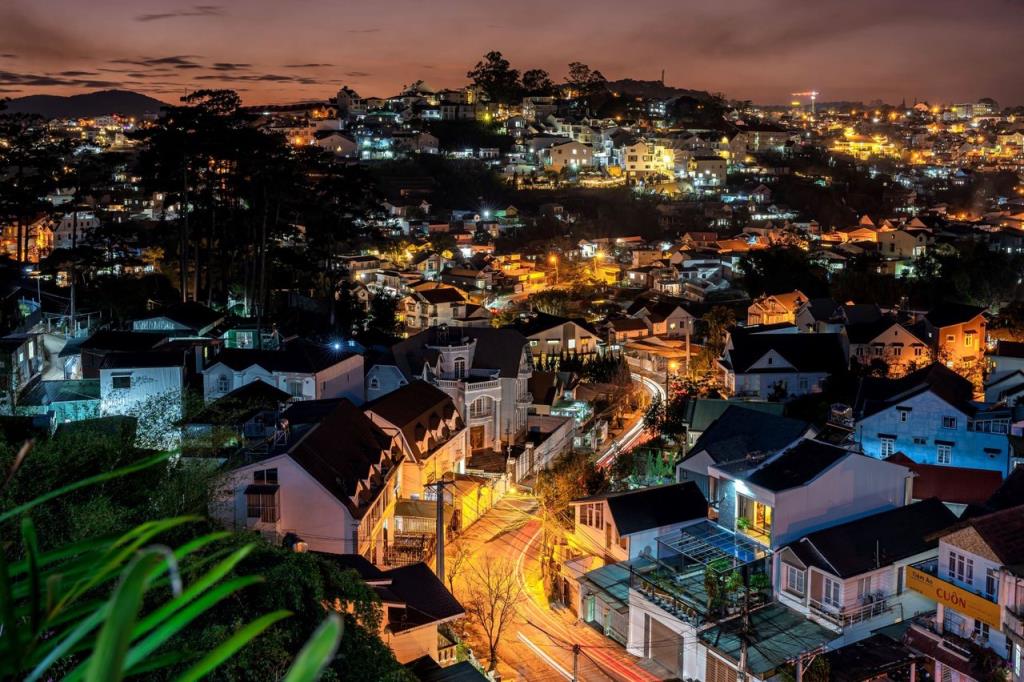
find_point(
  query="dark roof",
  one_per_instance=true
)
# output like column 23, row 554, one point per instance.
column 236, row 407
column 805, row 352
column 823, row 309
column 340, row 451
column 195, row 316
column 1003, row 532
column 298, row 356
column 859, row 313
column 865, row 332
column 442, row 295
column 499, row 349
column 741, row 431
column 354, row 562
column 655, row 507
column 948, row 314
column 868, row 659
column 426, row 669
column 1010, row 349
column 542, row 322
column 797, row 465
column 416, row 409
column 311, row 411
column 850, row 549
column 1010, row 493
column 543, row 386
column 877, row 394
column 120, row 341
column 426, row 598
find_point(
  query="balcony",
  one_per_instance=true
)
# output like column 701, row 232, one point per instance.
column 873, row 606
column 1013, row 620
column 924, row 578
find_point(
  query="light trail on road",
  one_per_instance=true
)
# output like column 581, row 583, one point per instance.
column 632, row 435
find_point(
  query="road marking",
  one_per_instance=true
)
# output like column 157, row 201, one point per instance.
column 544, row 657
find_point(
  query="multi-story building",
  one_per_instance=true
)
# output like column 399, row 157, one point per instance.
column 888, row 341
column 957, row 335
column 930, row 416
column 776, row 308
column 485, row 371
column 780, row 365
column 646, row 159
column 977, row 585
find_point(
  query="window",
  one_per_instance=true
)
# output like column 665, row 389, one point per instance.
column 268, row 476
column 121, row 381
column 918, row 440
column 949, row 422
column 904, row 416
column 950, row 338
column 803, row 383
column 969, row 339
column 459, row 367
column 481, row 407
column 262, row 506
column 897, row 351
column 222, row 383
column 794, row 579
column 863, row 588
column 374, row 383
column 981, row 630
column 960, row 568
column 572, row 344
column 991, row 584
column 1018, row 663
column 831, row 594
column 294, row 388
column 944, row 454
column 918, row 351
column 888, row 446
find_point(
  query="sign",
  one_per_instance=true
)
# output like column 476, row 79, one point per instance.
column 954, row 597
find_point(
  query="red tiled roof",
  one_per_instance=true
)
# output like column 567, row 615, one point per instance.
column 950, row 484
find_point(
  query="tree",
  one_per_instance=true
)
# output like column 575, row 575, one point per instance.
column 780, row 269
column 583, row 80
column 383, row 326
column 495, row 76
column 454, row 562
column 537, row 82
column 494, row 594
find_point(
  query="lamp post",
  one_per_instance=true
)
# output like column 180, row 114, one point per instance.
column 669, row 369
column 553, row 261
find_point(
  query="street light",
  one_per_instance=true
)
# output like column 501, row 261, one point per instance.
column 672, row 367
column 553, row 260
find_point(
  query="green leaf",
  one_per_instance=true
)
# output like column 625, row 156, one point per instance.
column 76, row 635
column 232, row 645
column 107, row 662
column 318, row 652
column 179, row 620
column 84, row 483
column 28, row 534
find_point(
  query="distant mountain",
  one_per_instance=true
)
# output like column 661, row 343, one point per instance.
column 100, row 103
column 657, row 89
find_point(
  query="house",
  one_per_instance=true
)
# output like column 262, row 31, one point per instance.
column 304, row 370
column 978, row 588
column 550, row 335
column 433, row 434
column 75, row 229
column 776, row 308
column 888, row 341
column 766, row 366
column 22, row 360
column 740, row 431
column 664, row 316
column 622, row 525
column 441, row 306
column 625, row 328
column 851, row 578
column 930, row 416
column 958, row 488
column 700, row 413
column 485, row 371
column 180, row 321
column 246, row 417
column 85, row 359
column 67, row 400
column 329, row 479
column 416, row 604
column 1007, row 370
column 149, row 386
column 956, row 332
column 569, row 155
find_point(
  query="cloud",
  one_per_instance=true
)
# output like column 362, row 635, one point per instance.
column 229, row 66
column 262, row 77
column 77, row 73
column 45, row 81
column 8, row 55
column 177, row 61
column 26, row 36
column 357, row 74
column 313, row 65
column 194, row 11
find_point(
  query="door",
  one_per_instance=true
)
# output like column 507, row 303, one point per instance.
column 666, row 648
column 476, row 437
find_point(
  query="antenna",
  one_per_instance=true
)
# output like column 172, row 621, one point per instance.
column 663, row 76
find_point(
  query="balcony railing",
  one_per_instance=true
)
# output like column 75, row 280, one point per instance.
column 848, row 616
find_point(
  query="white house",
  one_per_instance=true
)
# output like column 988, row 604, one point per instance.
column 778, row 366
column 146, row 385
column 75, row 229
column 306, row 371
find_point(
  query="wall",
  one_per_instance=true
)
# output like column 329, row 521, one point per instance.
column 411, row 644
column 343, row 380
column 925, row 422
column 388, row 377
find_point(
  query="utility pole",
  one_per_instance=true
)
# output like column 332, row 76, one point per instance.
column 439, row 488
column 745, row 627
column 575, row 662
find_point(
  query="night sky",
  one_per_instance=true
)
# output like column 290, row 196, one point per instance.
column 286, row 50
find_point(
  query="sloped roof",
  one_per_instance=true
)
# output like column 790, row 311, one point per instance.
column 798, row 465
column 1003, row 532
column 441, row 295
column 805, row 352
column 702, row 412
column 948, row 314
column 541, row 322
column 876, row 394
column 415, row 409
column 654, row 507
column 740, row 431
column 955, row 485
column 237, row 406
column 298, row 356
column 189, row 314
column 865, row 332
column 500, row 349
column 857, row 547
column 425, row 597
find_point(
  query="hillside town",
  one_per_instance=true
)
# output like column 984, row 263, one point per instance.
column 546, row 379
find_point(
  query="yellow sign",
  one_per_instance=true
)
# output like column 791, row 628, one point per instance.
column 956, row 598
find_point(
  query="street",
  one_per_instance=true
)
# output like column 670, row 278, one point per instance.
column 538, row 643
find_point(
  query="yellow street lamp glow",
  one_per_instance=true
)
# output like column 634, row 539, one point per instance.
column 553, row 259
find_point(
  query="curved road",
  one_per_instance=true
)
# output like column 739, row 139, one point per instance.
column 633, row 434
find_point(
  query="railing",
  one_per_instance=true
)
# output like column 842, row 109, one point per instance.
column 659, row 592
column 845, row 617
column 932, row 568
column 1013, row 620
column 953, row 642
column 490, row 384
